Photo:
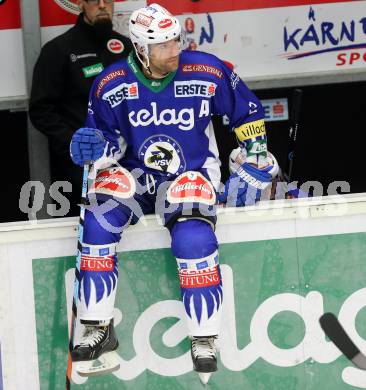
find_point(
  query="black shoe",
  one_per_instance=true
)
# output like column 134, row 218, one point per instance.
column 96, row 341
column 203, row 352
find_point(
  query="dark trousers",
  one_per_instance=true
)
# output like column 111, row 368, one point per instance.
column 63, row 169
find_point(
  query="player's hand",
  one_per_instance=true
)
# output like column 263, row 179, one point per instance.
column 245, row 186
column 87, row 145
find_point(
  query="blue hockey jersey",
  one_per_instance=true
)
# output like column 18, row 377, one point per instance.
column 164, row 126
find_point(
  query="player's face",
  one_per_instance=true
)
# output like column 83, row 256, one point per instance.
column 164, row 57
column 97, row 11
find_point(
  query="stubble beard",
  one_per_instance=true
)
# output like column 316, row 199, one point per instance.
column 169, row 66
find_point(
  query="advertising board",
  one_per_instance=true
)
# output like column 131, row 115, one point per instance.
column 12, row 68
column 283, row 265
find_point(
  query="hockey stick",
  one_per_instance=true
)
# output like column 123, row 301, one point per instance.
column 84, row 191
column 293, row 133
column 334, row 330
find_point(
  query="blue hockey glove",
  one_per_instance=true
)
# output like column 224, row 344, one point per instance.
column 245, row 186
column 87, row 145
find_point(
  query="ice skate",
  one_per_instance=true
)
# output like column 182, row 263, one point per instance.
column 95, row 355
column 203, row 352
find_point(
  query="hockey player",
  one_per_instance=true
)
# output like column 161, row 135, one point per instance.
column 149, row 133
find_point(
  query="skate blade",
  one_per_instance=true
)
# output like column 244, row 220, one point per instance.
column 105, row 364
column 204, row 377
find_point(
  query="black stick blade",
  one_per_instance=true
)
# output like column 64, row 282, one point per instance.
column 334, row 330
column 294, row 120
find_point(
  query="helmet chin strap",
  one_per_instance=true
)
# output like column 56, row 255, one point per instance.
column 154, row 76
column 147, row 69
column 145, row 62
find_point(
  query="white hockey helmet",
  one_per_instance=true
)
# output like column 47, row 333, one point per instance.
column 153, row 24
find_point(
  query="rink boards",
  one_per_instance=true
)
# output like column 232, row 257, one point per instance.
column 263, row 40
column 283, row 264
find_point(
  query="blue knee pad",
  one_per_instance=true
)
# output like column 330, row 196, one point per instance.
column 193, row 239
column 194, row 244
column 105, row 228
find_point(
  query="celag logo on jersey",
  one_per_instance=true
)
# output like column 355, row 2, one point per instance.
column 163, row 153
column 123, row 91
column 194, row 88
column 183, row 118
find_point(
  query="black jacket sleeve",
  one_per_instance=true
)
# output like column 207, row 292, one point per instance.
column 46, row 94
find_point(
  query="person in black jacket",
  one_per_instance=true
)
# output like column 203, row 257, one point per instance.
column 62, row 78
